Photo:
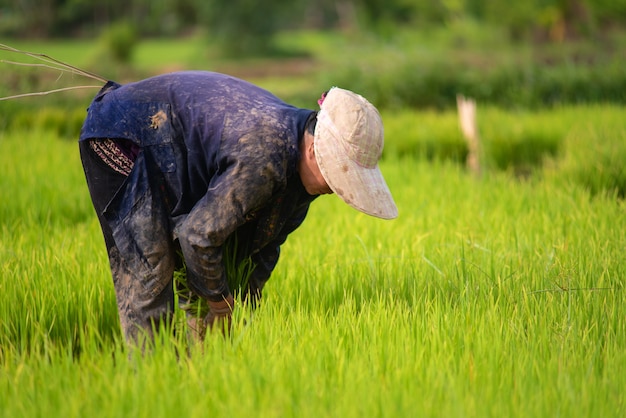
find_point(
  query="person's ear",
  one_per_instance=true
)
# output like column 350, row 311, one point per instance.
column 310, row 147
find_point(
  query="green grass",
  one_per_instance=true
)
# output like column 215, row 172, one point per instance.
column 487, row 297
column 416, row 67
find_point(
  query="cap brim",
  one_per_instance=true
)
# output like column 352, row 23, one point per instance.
column 362, row 188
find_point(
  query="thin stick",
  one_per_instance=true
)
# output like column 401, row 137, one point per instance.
column 44, row 93
column 26, row 64
column 48, row 59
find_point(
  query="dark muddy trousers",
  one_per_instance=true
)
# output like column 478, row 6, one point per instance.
column 141, row 305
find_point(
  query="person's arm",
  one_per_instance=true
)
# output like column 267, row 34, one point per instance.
column 244, row 182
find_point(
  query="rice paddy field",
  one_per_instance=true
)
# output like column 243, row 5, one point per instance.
column 490, row 296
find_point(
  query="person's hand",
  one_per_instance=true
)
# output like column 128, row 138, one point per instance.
column 219, row 316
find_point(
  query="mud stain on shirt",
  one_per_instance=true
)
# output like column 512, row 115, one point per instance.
column 158, row 119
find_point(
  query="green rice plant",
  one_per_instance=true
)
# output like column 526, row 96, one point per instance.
column 434, row 136
column 594, row 156
column 49, row 246
column 237, row 275
column 518, row 141
column 486, row 297
column 64, row 122
column 521, row 141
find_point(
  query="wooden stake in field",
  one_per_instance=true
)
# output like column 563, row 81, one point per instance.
column 469, row 128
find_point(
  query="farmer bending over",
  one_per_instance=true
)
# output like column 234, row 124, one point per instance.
column 178, row 164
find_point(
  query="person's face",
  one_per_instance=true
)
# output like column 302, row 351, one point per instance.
column 310, row 174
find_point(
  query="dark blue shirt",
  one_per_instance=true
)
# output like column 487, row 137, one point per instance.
column 218, row 159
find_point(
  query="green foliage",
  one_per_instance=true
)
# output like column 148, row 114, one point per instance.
column 609, row 11
column 237, row 271
column 532, row 19
column 429, row 135
column 118, row 42
column 247, row 27
column 65, row 123
column 416, row 82
column 486, row 297
column 557, row 143
column 593, row 158
column 520, row 141
column 423, row 69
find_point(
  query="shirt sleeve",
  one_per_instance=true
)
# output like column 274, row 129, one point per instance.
column 244, row 181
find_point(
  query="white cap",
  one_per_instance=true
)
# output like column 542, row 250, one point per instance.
column 349, row 139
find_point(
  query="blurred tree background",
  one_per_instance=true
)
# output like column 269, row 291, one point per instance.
column 399, row 53
column 248, row 26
